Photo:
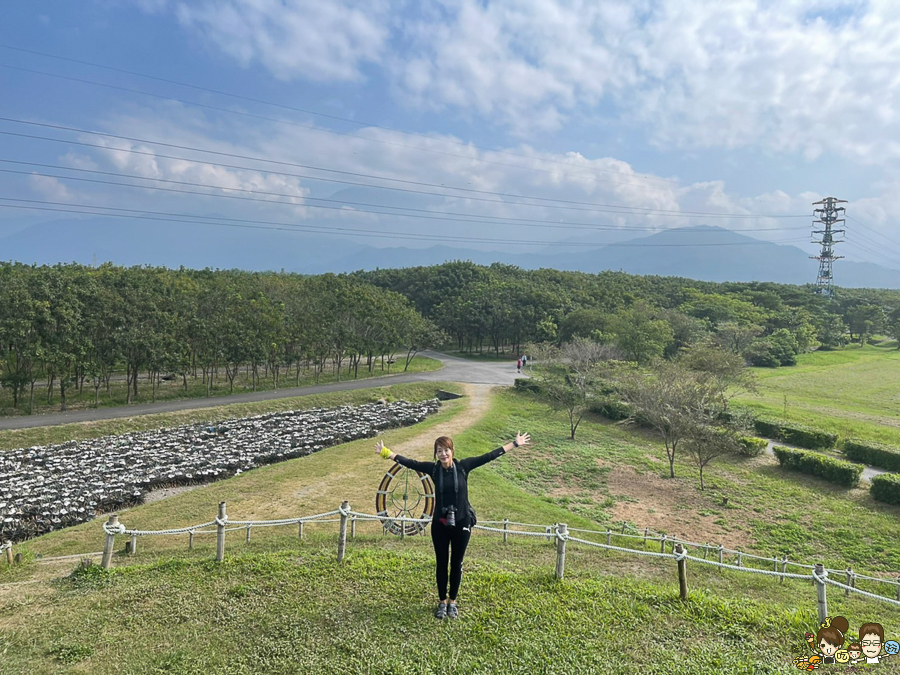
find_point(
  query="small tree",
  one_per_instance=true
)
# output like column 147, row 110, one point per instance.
column 706, row 442
column 568, row 376
column 683, row 406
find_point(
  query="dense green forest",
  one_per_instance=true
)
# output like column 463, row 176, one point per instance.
column 74, row 326
column 501, row 307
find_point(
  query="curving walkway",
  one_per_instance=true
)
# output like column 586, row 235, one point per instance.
column 455, row 369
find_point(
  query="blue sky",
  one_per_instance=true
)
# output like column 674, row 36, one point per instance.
column 741, row 110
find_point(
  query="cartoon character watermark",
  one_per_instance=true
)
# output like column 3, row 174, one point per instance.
column 827, row 645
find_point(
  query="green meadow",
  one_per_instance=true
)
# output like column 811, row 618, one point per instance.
column 279, row 604
column 853, row 391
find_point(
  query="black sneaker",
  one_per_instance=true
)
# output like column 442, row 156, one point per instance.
column 452, row 611
column 441, row 611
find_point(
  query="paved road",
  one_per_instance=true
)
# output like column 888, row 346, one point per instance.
column 455, row 370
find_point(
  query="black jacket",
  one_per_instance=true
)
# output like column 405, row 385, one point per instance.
column 463, row 468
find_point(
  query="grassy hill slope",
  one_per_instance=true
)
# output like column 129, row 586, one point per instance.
column 284, row 606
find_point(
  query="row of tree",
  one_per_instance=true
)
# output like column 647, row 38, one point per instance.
column 502, row 307
column 74, row 325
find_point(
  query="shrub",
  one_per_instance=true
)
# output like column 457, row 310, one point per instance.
column 768, row 428
column 834, row 470
column 875, row 454
column 610, row 408
column 752, row 447
column 795, row 434
column 886, row 488
column 527, row 384
column 807, row 437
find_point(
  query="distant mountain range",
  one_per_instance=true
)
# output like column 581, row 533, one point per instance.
column 684, row 253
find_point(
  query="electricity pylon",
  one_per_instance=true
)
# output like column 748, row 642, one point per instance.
column 827, row 215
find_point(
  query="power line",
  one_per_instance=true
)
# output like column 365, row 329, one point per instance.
column 873, row 230
column 309, row 127
column 81, row 209
column 642, row 210
column 314, row 112
column 479, row 218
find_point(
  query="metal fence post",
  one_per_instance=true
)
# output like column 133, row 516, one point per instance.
column 662, row 544
column 220, row 532
column 342, row 534
column 821, row 597
column 562, row 531
column 851, row 581
column 247, row 540
column 505, row 529
column 353, row 527
column 113, row 522
column 133, row 544
column 783, row 567
column 300, row 530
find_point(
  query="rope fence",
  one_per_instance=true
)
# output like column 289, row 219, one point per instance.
column 558, row 534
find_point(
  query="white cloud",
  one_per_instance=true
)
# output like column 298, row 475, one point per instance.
column 49, row 188
column 809, row 76
column 296, row 39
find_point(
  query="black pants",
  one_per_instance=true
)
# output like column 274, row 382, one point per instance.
column 449, row 546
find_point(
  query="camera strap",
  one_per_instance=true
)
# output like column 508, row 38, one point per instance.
column 441, row 480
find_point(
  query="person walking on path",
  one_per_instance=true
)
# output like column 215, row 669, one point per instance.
column 524, row 361
column 519, row 366
column 454, row 517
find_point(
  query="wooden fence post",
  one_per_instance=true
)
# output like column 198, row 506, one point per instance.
column 721, row 550
column 682, row 573
column 550, row 532
column 247, row 540
column 646, row 529
column 739, row 562
column 9, row 552
column 133, row 545
column 562, row 531
column 623, row 527
column 113, row 522
column 851, row 581
column 220, row 532
column 821, row 596
column 342, row 534
column 705, row 550
column 662, row 544
column 191, row 540
column 505, row 529
column 608, row 538
column 783, row 567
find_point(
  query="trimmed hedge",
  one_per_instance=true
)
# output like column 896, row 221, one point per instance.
column 795, row 434
column 886, row 488
column 527, row 384
column 834, row 470
column 752, row 447
column 611, row 409
column 875, row 454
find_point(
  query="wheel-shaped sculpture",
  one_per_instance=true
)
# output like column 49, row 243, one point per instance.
column 402, row 493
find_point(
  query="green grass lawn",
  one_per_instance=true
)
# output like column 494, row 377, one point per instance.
column 854, row 392
column 280, row 605
column 174, row 390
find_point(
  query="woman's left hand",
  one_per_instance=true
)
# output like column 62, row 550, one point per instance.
column 523, row 440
